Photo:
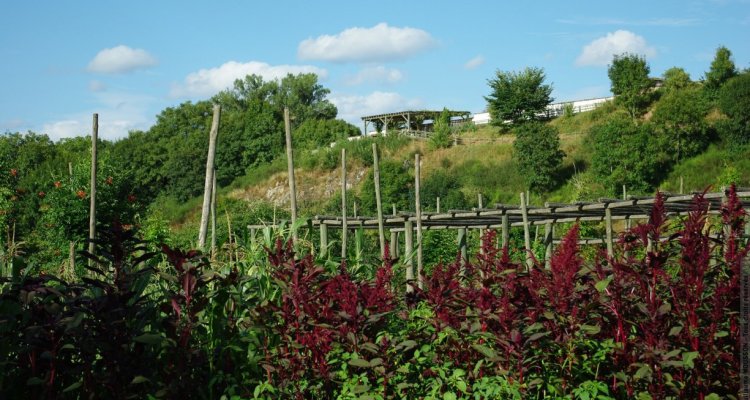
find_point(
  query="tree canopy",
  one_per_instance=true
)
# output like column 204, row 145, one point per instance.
column 628, row 74
column 518, row 96
column 537, row 152
column 722, row 69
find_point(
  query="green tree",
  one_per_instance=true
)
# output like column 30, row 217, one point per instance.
column 518, row 96
column 625, row 153
column 722, row 69
column 537, row 152
column 734, row 101
column 315, row 133
column 441, row 135
column 676, row 78
column 680, row 116
column 630, row 82
column 396, row 187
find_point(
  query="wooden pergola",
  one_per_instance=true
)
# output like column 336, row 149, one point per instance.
column 408, row 121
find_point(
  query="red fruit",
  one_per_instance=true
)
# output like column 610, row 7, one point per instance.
column 58, row 184
column 41, row 194
column 81, row 194
column 109, row 180
column 131, row 198
column 14, row 172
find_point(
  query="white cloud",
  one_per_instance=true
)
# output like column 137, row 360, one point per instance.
column 379, row 74
column 600, row 51
column 475, row 62
column 207, row 82
column 353, row 107
column 119, row 113
column 97, row 86
column 121, row 59
column 376, row 44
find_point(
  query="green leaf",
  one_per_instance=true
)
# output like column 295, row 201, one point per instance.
column 139, row 379
column 33, row 381
column 688, row 357
column 358, row 362
column 720, row 334
column 675, row 330
column 73, row 387
column 149, row 338
column 461, row 385
column 360, row 389
column 591, row 329
column 449, row 396
column 486, row 351
column 537, row 336
column 643, row 372
column 602, row 284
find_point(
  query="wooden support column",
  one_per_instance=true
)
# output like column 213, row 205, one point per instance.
column 92, row 188
column 213, row 216
column 290, row 173
column 409, row 254
column 209, row 176
column 462, row 233
column 378, row 203
column 343, row 204
column 526, row 233
column 682, row 185
column 419, row 219
column 253, row 239
column 610, row 234
column 548, row 235
column 480, row 203
column 505, row 230
column 324, row 240
column 438, row 205
column 393, row 244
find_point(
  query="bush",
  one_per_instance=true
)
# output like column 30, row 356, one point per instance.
column 537, row 152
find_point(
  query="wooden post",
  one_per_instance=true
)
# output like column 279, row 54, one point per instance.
column 682, row 185
column 548, row 235
column 355, row 208
column 92, row 203
column 419, row 219
column 324, row 240
column 438, row 205
column 290, row 172
column 70, row 169
column 394, row 209
column 343, row 204
column 462, row 233
column 393, row 245
column 526, row 234
column 480, row 203
column 505, row 230
column 213, row 216
column 253, row 239
column 71, row 259
column 608, row 222
column 409, row 255
column 209, row 177
column 378, row 203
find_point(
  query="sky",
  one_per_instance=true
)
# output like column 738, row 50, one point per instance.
column 60, row 62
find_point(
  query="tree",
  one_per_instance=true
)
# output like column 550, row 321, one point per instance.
column 722, row 69
column 630, row 82
column 624, row 153
column 734, row 101
column 518, row 96
column 441, row 135
column 315, row 133
column 680, row 116
column 676, row 78
column 537, row 152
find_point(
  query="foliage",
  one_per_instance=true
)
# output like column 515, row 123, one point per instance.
column 315, row 133
column 680, row 115
column 624, row 153
column 518, row 96
column 537, row 152
column 396, row 188
column 722, row 69
column 676, row 78
column 734, row 101
column 442, row 132
column 630, row 82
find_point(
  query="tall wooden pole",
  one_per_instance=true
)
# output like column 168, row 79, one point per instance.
column 526, row 234
column 92, row 188
column 376, row 174
column 548, row 234
column 209, row 177
column 343, row 204
column 213, row 215
column 609, row 231
column 409, row 245
column 324, row 240
column 419, row 219
column 290, row 169
column 505, row 230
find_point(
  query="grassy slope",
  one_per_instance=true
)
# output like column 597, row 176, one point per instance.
column 484, row 162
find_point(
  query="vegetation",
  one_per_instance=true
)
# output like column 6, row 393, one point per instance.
column 722, row 69
column 537, row 151
column 630, row 82
column 518, row 96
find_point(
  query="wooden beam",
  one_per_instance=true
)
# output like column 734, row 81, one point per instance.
column 526, row 234
column 92, row 188
column 290, row 172
column 209, row 176
column 343, row 205
column 418, row 209
column 378, row 203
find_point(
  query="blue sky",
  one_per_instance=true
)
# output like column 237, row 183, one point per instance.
column 62, row 61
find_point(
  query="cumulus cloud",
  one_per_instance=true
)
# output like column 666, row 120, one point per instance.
column 207, row 82
column 353, row 107
column 119, row 113
column 379, row 74
column 121, row 59
column 377, row 44
column 600, row 51
column 474, row 63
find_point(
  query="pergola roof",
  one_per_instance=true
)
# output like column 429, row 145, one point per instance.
column 632, row 208
column 425, row 114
